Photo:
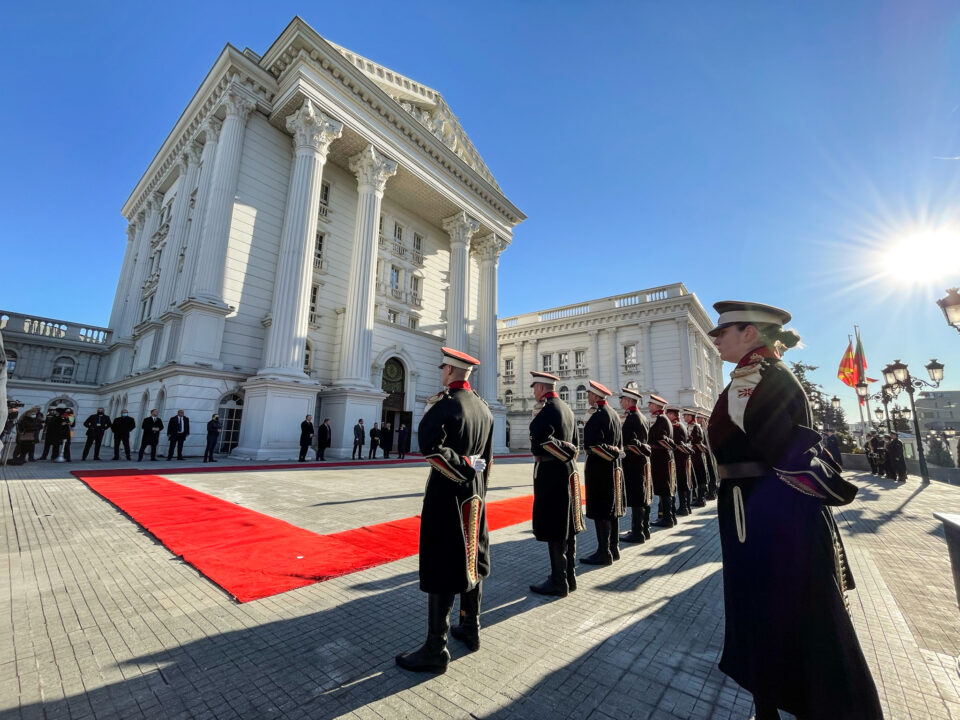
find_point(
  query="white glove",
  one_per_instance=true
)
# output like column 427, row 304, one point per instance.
column 478, row 463
column 622, row 454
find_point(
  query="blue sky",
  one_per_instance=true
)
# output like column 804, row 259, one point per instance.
column 772, row 151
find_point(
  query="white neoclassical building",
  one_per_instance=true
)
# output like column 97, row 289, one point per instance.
column 311, row 232
column 656, row 339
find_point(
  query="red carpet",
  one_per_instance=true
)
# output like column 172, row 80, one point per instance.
column 252, row 555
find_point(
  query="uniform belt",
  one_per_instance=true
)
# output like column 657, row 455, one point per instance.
column 546, row 458
column 732, row 471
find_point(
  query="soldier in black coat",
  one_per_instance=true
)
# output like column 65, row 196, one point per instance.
column 557, row 504
column 788, row 637
column 701, row 475
column 306, row 437
column 96, row 425
column 895, row 458
column 214, row 426
column 662, row 465
column 713, row 481
column 151, row 427
column 603, row 475
column 122, row 427
column 682, row 454
column 832, row 444
column 324, row 438
column 374, row 441
column 877, row 454
column 637, row 479
column 456, row 438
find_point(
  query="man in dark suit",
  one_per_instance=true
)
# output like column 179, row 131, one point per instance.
column 96, row 426
column 177, row 431
column 896, row 459
column 374, row 441
column 386, row 439
column 306, row 437
column 359, row 435
column 324, row 438
column 403, row 441
column 122, row 427
column 151, row 427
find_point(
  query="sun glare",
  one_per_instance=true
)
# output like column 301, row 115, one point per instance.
column 923, row 257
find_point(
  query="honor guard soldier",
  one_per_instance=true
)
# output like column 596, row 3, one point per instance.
column 662, row 465
column 603, row 475
column 682, row 453
column 557, row 503
column 714, row 478
column 456, row 438
column 895, row 458
column 788, row 637
column 701, row 476
column 637, row 481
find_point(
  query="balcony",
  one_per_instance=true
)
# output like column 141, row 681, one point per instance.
column 396, row 293
column 398, row 250
column 509, row 378
column 581, row 372
column 563, row 373
column 415, row 299
column 580, row 405
column 416, row 257
column 631, row 367
column 382, row 242
column 319, row 264
column 323, row 210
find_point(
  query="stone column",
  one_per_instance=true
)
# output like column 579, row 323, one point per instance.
column 176, row 239
column 312, row 134
column 211, row 132
column 648, row 356
column 488, row 250
column 617, row 358
column 461, row 228
column 144, row 259
column 134, row 230
column 595, row 365
column 356, row 346
column 522, row 380
column 208, row 282
column 684, row 353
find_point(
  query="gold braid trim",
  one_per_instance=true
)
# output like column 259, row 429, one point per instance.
column 470, row 520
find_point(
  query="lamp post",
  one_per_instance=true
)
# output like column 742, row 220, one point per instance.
column 885, row 395
column 951, row 308
column 898, row 376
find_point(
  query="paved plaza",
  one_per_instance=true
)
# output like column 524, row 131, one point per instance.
column 105, row 622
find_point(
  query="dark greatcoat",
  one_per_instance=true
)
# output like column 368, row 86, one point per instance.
column 788, row 637
column 898, row 462
column 832, row 444
column 151, row 427
column 323, row 436
column 454, row 541
column 636, row 465
column 682, row 455
column 123, row 426
column 306, row 433
column 602, row 472
column 662, row 466
column 557, row 505
column 701, row 471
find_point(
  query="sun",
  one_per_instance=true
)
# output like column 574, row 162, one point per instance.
column 923, row 256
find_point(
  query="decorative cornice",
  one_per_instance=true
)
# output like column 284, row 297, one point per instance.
column 312, row 130
column 373, row 168
column 461, row 228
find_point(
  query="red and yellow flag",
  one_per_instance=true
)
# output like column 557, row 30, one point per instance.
column 849, row 370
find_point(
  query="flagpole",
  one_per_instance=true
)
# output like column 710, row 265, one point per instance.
column 863, row 379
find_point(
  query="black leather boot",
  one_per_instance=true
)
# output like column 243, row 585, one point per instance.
column 433, row 657
column 556, row 584
column 572, row 562
column 666, row 512
column 602, row 556
column 636, row 527
column 615, row 538
column 645, row 523
column 467, row 630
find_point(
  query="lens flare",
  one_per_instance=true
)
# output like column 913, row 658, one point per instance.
column 922, row 257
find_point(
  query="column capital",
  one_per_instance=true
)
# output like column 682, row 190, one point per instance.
column 313, row 130
column 373, row 168
column 192, row 152
column 211, row 129
column 155, row 201
column 131, row 231
column 237, row 103
column 489, row 247
column 461, row 227
column 141, row 219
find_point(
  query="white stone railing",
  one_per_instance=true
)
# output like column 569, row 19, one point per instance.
column 398, row 250
column 416, row 257
column 15, row 323
column 319, row 263
column 616, row 302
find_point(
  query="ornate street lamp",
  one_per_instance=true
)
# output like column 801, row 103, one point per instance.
column 835, row 402
column 951, row 308
column 899, row 374
column 863, row 390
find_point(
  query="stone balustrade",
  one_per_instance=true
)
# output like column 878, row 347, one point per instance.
column 12, row 323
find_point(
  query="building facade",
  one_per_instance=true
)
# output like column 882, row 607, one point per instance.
column 311, row 232
column 656, row 339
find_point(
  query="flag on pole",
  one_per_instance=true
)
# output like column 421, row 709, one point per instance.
column 861, row 362
column 849, row 370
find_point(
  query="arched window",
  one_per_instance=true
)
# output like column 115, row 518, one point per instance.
column 231, row 413
column 63, row 370
column 564, row 393
column 11, row 361
column 508, row 397
column 161, row 401
column 62, row 401
column 581, row 393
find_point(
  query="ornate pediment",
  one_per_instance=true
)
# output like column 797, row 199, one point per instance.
column 427, row 106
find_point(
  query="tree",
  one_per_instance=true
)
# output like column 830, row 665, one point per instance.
column 823, row 413
column 938, row 453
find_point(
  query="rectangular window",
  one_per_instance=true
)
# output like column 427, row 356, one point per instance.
column 547, row 363
column 629, row 354
column 314, row 297
column 324, row 193
column 318, row 252
column 392, row 316
column 398, row 232
column 508, row 366
column 580, row 358
column 412, row 323
column 417, row 242
column 394, row 277
column 564, row 361
column 415, row 285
